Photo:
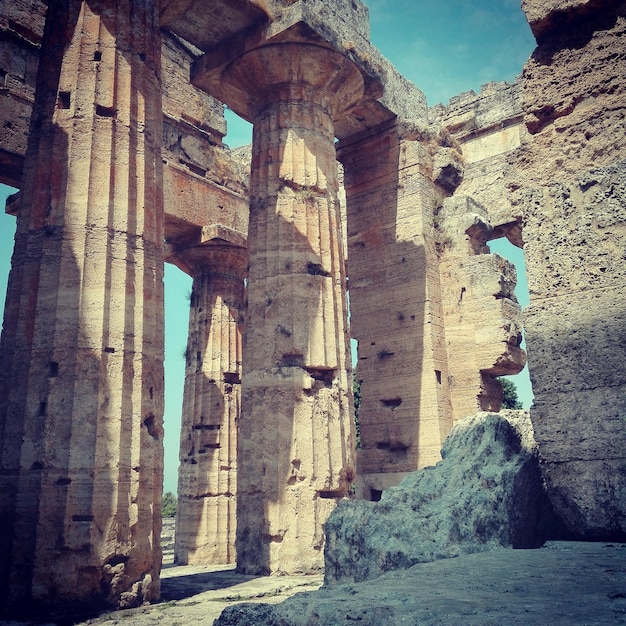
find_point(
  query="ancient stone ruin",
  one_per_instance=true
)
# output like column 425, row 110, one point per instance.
column 112, row 126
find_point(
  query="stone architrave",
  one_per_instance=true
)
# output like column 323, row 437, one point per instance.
column 207, row 479
column 296, row 433
column 81, row 358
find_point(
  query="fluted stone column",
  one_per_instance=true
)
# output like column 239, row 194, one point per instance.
column 81, row 357
column 296, row 445
column 207, row 478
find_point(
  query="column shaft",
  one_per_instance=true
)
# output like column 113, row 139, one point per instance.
column 81, row 398
column 207, row 483
column 296, row 438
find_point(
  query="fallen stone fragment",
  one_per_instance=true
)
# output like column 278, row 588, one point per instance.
column 486, row 492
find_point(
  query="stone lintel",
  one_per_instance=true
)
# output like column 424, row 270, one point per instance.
column 218, row 234
column 13, row 204
column 217, row 247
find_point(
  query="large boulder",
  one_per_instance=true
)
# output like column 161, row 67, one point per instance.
column 486, row 492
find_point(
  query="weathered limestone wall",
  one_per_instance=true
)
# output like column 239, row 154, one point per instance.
column 543, row 165
column 395, row 306
column 481, row 314
column 573, row 201
column 81, row 356
column 21, row 29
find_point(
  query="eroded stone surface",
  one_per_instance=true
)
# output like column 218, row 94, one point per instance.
column 562, row 584
column 571, row 194
column 485, row 492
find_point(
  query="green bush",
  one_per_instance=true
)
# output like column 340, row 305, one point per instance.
column 168, row 507
column 509, row 395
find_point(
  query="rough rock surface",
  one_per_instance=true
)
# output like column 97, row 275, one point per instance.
column 571, row 193
column 486, row 492
column 564, row 583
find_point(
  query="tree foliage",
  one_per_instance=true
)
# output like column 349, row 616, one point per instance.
column 509, row 395
column 168, row 507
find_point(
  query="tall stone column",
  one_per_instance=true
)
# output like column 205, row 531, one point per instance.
column 296, row 444
column 81, row 357
column 207, row 478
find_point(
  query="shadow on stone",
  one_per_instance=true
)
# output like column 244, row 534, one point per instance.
column 181, row 587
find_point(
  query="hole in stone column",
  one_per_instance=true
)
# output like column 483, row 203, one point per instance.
column 438, row 376
column 375, row 495
column 63, row 101
column 292, row 360
column 150, row 424
column 315, row 269
column 325, row 375
column 515, row 254
column 391, row 403
column 103, row 111
column 42, row 408
column 109, row 350
column 97, row 55
column 331, row 494
column 53, row 369
column 232, row 378
column 117, row 559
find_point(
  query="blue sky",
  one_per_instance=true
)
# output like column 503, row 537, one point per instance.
column 444, row 47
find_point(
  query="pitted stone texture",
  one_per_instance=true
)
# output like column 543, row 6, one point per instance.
column 574, row 98
column 580, row 246
column 542, row 14
column 569, row 181
column 485, row 492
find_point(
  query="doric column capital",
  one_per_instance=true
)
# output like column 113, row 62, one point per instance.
column 212, row 257
column 217, row 248
column 293, row 71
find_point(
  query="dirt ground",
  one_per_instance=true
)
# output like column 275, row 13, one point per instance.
column 563, row 583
